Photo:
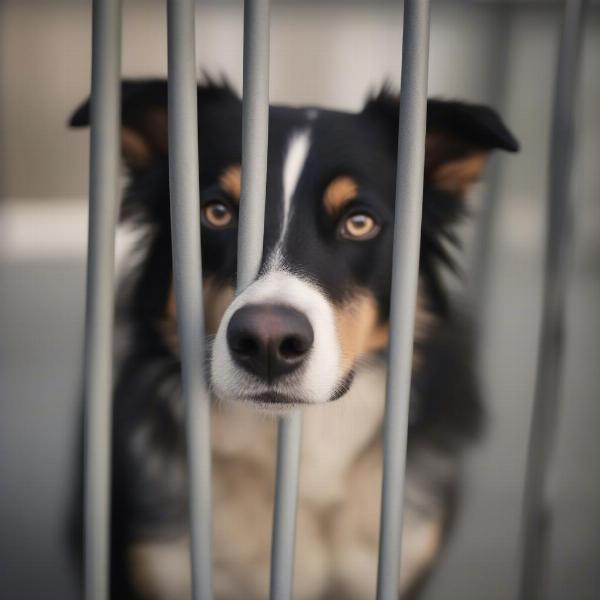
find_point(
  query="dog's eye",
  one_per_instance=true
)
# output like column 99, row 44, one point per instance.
column 359, row 226
column 217, row 215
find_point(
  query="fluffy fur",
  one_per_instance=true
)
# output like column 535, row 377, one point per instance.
column 325, row 169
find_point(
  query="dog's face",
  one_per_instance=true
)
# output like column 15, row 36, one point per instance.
column 320, row 303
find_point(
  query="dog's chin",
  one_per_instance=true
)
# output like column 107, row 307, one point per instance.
column 272, row 402
column 267, row 403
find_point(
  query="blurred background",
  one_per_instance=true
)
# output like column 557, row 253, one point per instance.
column 330, row 53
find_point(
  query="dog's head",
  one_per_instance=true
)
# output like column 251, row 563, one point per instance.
column 320, row 303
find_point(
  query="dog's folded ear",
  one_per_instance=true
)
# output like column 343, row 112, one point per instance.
column 459, row 138
column 143, row 119
column 144, row 131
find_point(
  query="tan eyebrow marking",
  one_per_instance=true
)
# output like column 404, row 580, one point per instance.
column 231, row 182
column 338, row 193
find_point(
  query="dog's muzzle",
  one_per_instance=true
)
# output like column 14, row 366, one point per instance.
column 277, row 345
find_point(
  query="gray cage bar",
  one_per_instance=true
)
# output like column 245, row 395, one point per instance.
column 187, row 269
column 407, row 235
column 289, row 440
column 255, row 130
column 104, row 192
column 536, row 513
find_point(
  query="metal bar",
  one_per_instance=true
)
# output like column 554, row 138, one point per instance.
column 497, row 90
column 407, row 235
column 536, row 512
column 250, row 250
column 187, row 269
column 255, row 132
column 104, row 193
column 286, row 500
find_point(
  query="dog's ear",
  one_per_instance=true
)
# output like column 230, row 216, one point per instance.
column 144, row 129
column 459, row 138
column 143, row 121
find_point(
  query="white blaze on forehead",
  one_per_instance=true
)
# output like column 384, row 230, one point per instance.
column 293, row 165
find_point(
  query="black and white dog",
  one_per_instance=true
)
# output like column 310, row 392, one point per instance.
column 311, row 331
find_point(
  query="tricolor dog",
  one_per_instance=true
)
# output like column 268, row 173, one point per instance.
column 309, row 333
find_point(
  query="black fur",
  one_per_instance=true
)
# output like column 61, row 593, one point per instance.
column 447, row 411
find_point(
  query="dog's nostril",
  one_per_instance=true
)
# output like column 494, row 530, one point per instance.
column 245, row 345
column 292, row 347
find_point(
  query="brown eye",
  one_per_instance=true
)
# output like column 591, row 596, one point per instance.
column 359, row 226
column 217, row 215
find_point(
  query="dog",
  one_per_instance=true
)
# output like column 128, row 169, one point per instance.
column 310, row 333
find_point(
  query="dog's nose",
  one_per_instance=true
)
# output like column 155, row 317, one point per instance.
column 269, row 340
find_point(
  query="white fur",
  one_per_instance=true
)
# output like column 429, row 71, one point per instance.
column 338, row 509
column 318, row 378
column 128, row 253
column 131, row 248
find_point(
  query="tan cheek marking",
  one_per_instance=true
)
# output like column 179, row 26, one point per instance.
column 231, row 182
column 358, row 329
column 217, row 297
column 458, row 175
column 338, row 193
column 360, row 332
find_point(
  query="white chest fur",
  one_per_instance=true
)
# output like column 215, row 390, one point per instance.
column 338, row 514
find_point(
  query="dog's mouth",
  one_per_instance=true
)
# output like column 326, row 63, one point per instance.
column 273, row 400
column 344, row 386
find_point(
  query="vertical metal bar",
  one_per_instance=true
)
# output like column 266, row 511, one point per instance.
column 407, row 235
column 536, row 514
column 250, row 249
column 187, row 269
column 255, row 133
column 286, row 500
column 485, row 232
column 104, row 193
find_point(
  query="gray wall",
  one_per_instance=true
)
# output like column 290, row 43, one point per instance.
column 322, row 52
